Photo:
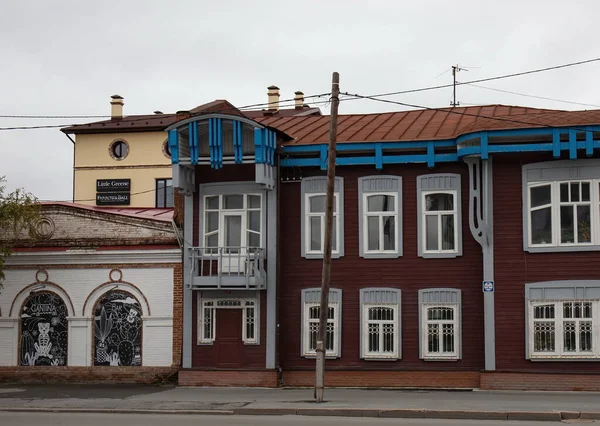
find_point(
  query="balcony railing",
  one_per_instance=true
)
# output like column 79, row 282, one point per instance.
column 228, row 268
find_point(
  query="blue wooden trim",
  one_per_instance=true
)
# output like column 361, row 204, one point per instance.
column 589, row 143
column 368, row 146
column 219, row 142
column 484, row 146
column 174, row 146
column 273, row 148
column 323, row 157
column 258, row 142
column 556, row 143
column 430, row 155
column 368, row 160
column 572, row 144
column 193, row 137
column 238, row 153
column 378, row 156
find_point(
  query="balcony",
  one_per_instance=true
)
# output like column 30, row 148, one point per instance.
column 228, row 268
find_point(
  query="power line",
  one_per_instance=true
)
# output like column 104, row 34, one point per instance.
column 481, row 80
column 245, row 107
column 533, row 96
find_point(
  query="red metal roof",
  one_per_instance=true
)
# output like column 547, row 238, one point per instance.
column 162, row 215
column 425, row 124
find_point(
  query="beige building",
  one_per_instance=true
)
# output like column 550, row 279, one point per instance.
column 126, row 162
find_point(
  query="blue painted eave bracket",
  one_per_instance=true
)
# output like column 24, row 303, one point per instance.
column 173, row 143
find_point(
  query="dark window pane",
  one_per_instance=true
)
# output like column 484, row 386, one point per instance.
column 315, row 233
column 254, row 220
column 253, row 201
column 439, row 202
column 431, row 232
column 575, row 191
column 212, row 202
column 380, row 203
column 541, row 226
column 389, row 233
column 317, row 204
column 540, row 195
column 584, row 234
column 585, row 191
column 233, row 201
column 564, row 193
column 567, row 226
column 212, row 221
column 373, row 233
column 448, row 232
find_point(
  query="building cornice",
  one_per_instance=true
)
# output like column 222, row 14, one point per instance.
column 83, row 257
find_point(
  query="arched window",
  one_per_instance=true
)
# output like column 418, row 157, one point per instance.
column 118, row 330
column 44, row 330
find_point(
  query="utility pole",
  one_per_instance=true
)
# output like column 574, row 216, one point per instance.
column 326, row 275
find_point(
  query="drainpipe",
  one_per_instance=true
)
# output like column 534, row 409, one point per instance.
column 481, row 225
column 73, row 141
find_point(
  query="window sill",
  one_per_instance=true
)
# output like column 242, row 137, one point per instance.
column 205, row 343
column 314, row 356
column 561, row 249
column 441, row 358
column 320, row 255
column 382, row 255
column 380, row 358
column 563, row 358
column 447, row 255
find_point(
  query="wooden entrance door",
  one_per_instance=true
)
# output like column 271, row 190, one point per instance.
column 228, row 338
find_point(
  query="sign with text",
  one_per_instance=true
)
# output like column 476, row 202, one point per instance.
column 113, row 199
column 488, row 286
column 113, row 185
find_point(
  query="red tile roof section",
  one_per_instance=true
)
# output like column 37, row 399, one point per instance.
column 432, row 124
column 161, row 215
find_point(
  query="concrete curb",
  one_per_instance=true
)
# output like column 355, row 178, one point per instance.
column 338, row 412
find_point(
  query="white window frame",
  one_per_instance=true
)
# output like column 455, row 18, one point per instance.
column 380, row 215
column 555, row 205
column 307, row 351
column 440, row 356
column 439, row 214
column 365, row 331
column 559, row 352
column 223, row 212
column 307, row 226
column 213, row 304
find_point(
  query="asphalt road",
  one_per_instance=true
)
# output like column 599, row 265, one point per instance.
column 76, row 419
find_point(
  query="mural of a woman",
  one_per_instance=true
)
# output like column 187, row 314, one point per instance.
column 118, row 330
column 44, row 330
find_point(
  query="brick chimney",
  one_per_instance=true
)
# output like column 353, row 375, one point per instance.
column 299, row 100
column 273, row 95
column 116, row 107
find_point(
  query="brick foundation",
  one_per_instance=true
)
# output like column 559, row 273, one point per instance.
column 258, row 378
column 394, row 379
column 540, row 381
column 93, row 375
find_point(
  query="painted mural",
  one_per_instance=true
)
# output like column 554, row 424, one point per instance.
column 118, row 330
column 44, row 330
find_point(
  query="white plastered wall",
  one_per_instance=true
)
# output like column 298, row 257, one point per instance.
column 153, row 289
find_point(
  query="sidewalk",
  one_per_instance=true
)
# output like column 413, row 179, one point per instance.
column 339, row 402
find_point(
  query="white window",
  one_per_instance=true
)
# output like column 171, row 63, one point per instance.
column 380, row 331
column 233, row 222
column 380, row 219
column 310, row 332
column 563, row 213
column 440, row 331
column 439, row 222
column 207, row 318
column 315, row 224
column 563, row 329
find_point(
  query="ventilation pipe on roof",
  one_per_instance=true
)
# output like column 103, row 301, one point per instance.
column 273, row 94
column 116, row 107
column 299, row 100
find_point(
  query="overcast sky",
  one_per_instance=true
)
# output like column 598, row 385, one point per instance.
column 66, row 57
